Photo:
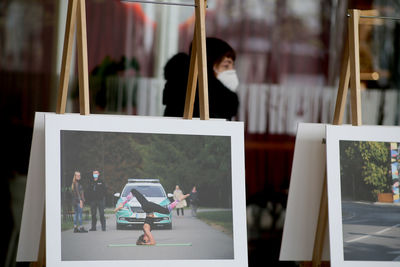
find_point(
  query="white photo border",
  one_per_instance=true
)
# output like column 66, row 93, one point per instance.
column 54, row 123
column 335, row 134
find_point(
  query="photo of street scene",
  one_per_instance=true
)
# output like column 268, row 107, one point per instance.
column 145, row 196
column 370, row 200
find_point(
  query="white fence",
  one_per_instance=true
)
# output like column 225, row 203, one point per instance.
column 265, row 108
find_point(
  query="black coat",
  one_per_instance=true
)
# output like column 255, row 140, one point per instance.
column 97, row 191
column 194, row 198
column 223, row 103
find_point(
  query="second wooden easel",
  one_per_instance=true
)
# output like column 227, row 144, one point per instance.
column 198, row 67
column 76, row 15
column 350, row 74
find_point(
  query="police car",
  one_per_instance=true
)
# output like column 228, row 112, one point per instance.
column 132, row 213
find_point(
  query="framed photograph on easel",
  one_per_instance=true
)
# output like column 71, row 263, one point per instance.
column 171, row 151
column 363, row 193
column 44, row 244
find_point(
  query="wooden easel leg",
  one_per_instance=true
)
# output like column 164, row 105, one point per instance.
column 338, row 119
column 202, row 58
column 350, row 68
column 41, row 262
column 82, row 59
column 66, row 57
column 321, row 227
column 76, row 11
column 192, row 80
column 354, row 54
column 343, row 88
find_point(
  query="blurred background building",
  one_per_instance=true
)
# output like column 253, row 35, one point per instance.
column 288, row 61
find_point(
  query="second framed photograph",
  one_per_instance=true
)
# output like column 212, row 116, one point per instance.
column 363, row 194
column 136, row 190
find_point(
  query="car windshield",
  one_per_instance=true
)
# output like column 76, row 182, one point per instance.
column 146, row 190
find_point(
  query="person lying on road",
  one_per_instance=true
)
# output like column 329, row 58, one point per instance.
column 149, row 207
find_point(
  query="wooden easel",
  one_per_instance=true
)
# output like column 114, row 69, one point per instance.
column 76, row 15
column 198, row 67
column 350, row 72
column 197, row 71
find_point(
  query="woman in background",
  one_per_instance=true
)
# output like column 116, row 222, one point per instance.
column 178, row 195
column 222, row 82
column 78, row 202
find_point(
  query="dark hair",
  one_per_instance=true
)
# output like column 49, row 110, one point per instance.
column 217, row 49
column 141, row 240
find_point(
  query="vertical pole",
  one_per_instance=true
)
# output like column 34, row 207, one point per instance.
column 202, row 58
column 66, row 57
column 82, row 59
column 192, row 80
column 350, row 68
column 321, row 226
column 343, row 87
column 322, row 223
column 354, row 67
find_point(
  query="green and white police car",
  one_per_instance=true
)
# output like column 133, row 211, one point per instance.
column 132, row 213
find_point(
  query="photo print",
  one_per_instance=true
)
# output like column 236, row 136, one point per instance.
column 363, row 187
column 142, row 190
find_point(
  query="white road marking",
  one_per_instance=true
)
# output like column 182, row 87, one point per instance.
column 360, row 221
column 370, row 235
column 397, row 258
column 353, row 214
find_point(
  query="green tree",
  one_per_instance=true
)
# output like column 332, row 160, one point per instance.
column 364, row 168
column 186, row 160
column 189, row 160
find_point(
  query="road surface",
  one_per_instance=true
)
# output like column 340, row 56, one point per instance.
column 195, row 239
column 371, row 232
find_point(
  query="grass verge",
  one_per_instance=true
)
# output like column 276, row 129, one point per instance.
column 221, row 220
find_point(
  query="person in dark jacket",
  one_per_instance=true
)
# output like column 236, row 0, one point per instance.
column 194, row 201
column 222, row 82
column 97, row 200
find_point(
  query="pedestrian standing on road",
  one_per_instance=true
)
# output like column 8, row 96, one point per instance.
column 149, row 207
column 78, row 202
column 182, row 204
column 97, row 201
column 194, row 201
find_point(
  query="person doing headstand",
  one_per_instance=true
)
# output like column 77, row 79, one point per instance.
column 149, row 207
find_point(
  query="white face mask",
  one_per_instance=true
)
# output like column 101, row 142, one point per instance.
column 229, row 79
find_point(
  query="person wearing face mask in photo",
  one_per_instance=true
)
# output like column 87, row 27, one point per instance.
column 222, row 82
column 97, row 200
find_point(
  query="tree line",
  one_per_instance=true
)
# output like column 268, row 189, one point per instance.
column 365, row 169
column 184, row 160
